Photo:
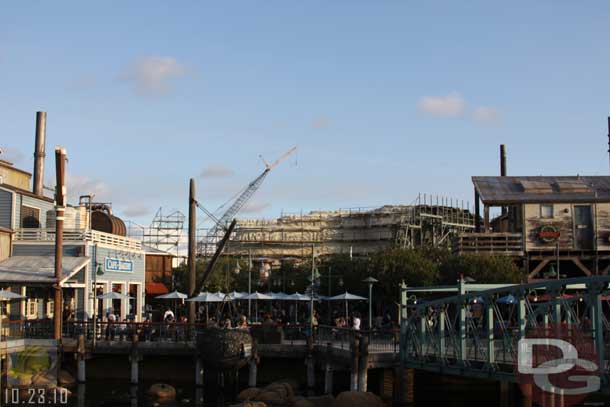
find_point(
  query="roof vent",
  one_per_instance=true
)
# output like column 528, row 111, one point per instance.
column 536, row 186
column 572, row 186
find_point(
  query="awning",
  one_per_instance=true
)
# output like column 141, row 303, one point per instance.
column 39, row 269
column 156, row 289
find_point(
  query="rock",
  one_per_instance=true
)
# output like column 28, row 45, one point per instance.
column 322, row 401
column 302, row 402
column 248, row 394
column 162, row 391
column 358, row 399
column 276, row 395
column 250, row 404
column 43, row 381
column 66, row 378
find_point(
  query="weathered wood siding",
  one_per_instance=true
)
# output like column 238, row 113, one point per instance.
column 563, row 220
column 602, row 215
column 5, row 245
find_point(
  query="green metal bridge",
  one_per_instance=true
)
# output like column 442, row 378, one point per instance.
column 482, row 331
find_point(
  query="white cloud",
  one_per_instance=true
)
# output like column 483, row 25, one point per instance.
column 485, row 115
column 255, row 207
column 135, row 211
column 216, row 171
column 451, row 105
column 78, row 185
column 152, row 75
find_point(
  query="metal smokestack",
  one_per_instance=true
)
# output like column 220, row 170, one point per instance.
column 502, row 160
column 609, row 138
column 39, row 155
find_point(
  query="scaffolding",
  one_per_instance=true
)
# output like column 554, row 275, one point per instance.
column 356, row 231
column 166, row 232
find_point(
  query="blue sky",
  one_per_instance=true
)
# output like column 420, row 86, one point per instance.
column 385, row 99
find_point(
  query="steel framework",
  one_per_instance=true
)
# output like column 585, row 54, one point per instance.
column 445, row 336
column 165, row 231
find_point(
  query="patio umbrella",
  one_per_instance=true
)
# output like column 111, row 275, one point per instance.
column 174, row 295
column 257, row 296
column 207, row 298
column 235, row 295
column 297, row 297
column 346, row 297
column 7, row 296
column 280, row 296
column 508, row 299
column 114, row 296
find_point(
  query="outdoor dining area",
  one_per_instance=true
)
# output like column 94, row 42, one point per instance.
column 292, row 308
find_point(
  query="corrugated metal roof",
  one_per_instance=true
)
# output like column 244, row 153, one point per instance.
column 506, row 190
column 39, row 269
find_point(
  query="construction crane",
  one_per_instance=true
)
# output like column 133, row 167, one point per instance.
column 207, row 245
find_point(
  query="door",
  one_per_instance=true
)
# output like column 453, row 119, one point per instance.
column 583, row 227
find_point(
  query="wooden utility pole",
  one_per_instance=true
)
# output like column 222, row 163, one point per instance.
column 192, row 247
column 60, row 206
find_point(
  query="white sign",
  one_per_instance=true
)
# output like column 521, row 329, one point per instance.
column 124, row 266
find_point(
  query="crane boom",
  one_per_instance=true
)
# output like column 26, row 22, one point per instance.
column 213, row 234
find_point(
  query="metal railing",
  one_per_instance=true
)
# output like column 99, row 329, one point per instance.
column 77, row 235
column 379, row 341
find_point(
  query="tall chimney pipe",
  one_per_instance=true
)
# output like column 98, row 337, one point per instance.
column 609, row 138
column 502, row 160
column 39, row 155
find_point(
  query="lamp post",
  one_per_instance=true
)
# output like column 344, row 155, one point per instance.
column 370, row 281
column 98, row 272
column 249, row 282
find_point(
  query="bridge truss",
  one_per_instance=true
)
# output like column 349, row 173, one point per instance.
column 477, row 334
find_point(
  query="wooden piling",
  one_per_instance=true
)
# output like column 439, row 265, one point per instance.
column 355, row 351
column 363, row 364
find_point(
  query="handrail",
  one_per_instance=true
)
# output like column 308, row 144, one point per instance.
column 95, row 236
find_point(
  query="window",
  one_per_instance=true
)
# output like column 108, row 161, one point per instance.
column 32, row 308
column 30, row 217
column 546, row 211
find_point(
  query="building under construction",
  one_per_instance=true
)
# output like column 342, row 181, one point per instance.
column 358, row 232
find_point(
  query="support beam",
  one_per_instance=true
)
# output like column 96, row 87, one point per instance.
column 80, row 360
column 354, row 364
column 192, row 231
column 491, row 347
column 252, row 373
column 477, row 211
column 363, row 364
column 538, row 268
column 198, row 371
column 311, row 372
column 581, row 266
column 486, row 218
column 328, row 378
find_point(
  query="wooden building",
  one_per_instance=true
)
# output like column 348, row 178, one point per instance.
column 158, row 271
column 556, row 226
